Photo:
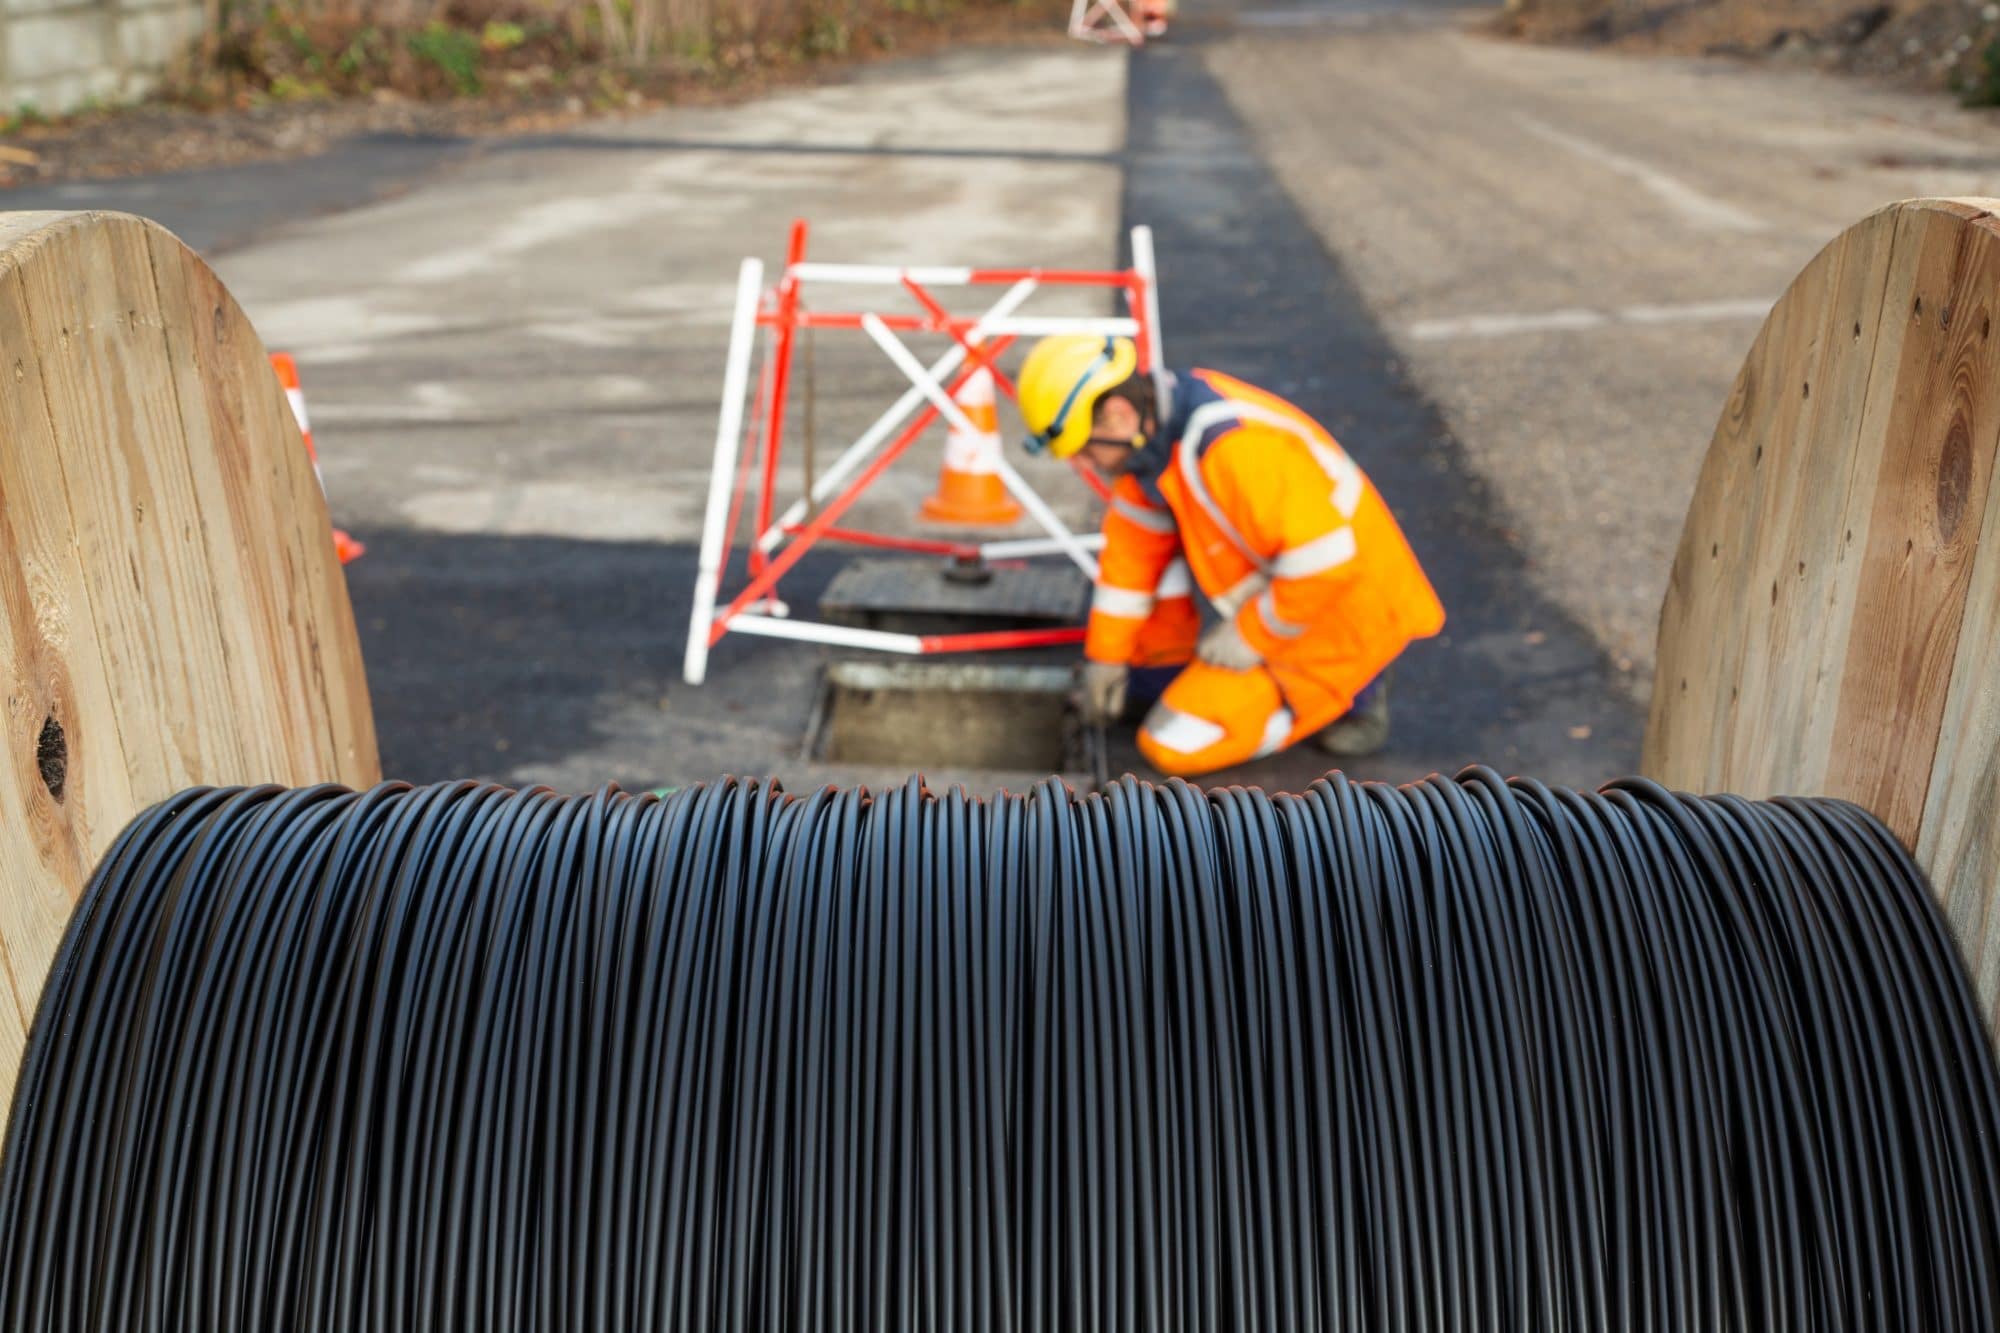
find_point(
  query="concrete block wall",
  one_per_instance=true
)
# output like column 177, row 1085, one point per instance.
column 57, row 54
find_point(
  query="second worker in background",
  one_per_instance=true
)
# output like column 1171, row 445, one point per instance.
column 1222, row 486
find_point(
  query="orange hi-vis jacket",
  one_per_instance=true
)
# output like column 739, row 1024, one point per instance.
column 1257, row 490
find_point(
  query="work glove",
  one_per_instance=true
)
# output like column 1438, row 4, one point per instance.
column 1224, row 646
column 1100, row 698
column 1240, row 596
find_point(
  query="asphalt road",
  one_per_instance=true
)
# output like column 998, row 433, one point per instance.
column 1571, row 251
column 1251, row 289
column 1514, row 281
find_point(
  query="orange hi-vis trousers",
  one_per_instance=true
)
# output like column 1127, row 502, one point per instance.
column 1209, row 718
column 1260, row 508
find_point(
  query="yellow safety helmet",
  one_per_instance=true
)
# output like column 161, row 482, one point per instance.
column 1061, row 382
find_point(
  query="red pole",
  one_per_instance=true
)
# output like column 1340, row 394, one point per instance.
column 882, row 541
column 1052, row 277
column 781, row 379
column 768, row 577
column 1091, row 479
column 848, row 319
column 1135, row 300
column 946, row 324
column 746, row 458
column 994, row 640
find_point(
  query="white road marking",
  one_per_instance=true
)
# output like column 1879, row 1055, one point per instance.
column 604, row 509
column 446, row 399
column 1501, row 326
column 1304, row 18
column 1695, row 312
column 1702, row 210
column 1574, row 320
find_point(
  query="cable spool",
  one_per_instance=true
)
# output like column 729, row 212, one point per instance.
column 1834, row 611
column 1464, row 1054
column 171, row 612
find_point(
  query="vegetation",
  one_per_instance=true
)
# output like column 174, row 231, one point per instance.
column 1983, row 88
column 312, row 50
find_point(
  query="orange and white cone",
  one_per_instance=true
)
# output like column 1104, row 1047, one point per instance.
column 970, row 492
column 344, row 546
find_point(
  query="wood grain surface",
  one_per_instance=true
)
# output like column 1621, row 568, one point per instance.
column 1833, row 616
column 171, row 611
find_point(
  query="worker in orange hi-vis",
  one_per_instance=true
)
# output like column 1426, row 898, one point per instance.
column 1220, row 486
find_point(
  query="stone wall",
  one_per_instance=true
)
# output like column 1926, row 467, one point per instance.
column 57, row 54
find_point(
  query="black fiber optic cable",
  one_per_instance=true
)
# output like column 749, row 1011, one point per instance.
column 1468, row 1054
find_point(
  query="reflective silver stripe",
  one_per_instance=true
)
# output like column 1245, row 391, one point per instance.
column 1175, row 581
column 1123, row 602
column 1147, row 517
column 1281, row 628
column 1316, row 556
column 1166, row 385
column 1348, row 483
column 1232, row 599
column 1277, row 730
column 1199, row 422
column 1349, row 486
column 1183, row 733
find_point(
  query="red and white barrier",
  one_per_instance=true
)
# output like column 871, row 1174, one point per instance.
column 746, row 452
column 345, row 548
column 1104, row 21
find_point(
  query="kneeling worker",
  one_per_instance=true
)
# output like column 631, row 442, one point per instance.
column 1316, row 587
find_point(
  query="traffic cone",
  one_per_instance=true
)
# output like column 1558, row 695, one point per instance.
column 344, row 546
column 970, row 492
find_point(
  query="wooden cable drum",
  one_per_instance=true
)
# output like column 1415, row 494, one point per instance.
column 1833, row 618
column 171, row 611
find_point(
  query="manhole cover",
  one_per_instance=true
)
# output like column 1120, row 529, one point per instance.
column 916, row 597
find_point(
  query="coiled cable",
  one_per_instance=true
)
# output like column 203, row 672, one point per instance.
column 1466, row 1054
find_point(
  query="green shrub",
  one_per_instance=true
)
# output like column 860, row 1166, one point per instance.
column 825, row 35
column 1983, row 87
column 453, row 51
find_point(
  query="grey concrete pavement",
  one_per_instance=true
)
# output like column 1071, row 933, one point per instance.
column 1572, row 251
column 537, row 348
column 219, row 208
column 514, row 379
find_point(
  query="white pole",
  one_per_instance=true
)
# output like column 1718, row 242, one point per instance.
column 1071, row 545
column 1040, row 326
column 839, row 636
column 1143, row 263
column 1024, row 547
column 722, row 473
column 857, row 453
column 893, row 348
column 1116, row 12
column 880, row 275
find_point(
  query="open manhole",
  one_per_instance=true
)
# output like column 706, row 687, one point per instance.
column 950, row 718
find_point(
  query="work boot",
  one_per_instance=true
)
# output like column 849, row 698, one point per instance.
column 1364, row 729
